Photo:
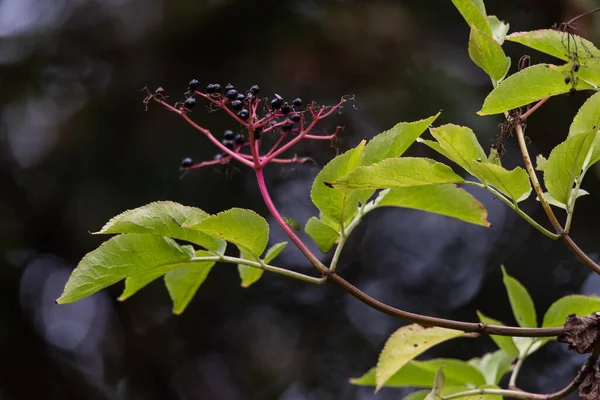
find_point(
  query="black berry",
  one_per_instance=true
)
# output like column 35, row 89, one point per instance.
column 232, row 94
column 576, row 67
column 287, row 126
column 218, row 156
column 210, row 88
column 159, row 91
column 297, row 102
column 229, row 87
column 239, row 139
column 217, row 87
column 237, row 105
column 295, row 117
column 189, row 103
column 243, row 114
column 276, row 102
column 194, row 84
column 187, row 162
column 228, row 144
column 285, row 109
column 229, row 135
column 568, row 80
column 241, row 97
column 254, row 89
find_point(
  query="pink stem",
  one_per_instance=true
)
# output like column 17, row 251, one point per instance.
column 294, row 238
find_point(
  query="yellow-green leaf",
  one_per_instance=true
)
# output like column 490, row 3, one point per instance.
column 588, row 116
column 487, row 54
column 183, row 281
column 323, row 235
column 520, row 301
column 473, row 14
column 503, row 342
column 554, row 43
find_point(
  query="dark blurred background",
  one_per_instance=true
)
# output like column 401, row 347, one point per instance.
column 77, row 147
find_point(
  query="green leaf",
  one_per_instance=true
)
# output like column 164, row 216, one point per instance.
column 244, row 228
column 574, row 304
column 494, row 157
column 439, row 381
column 394, row 142
column 445, row 199
column 588, row 73
column 473, row 14
column 588, row 116
column 529, row 85
column 540, row 162
column 552, row 201
column 292, row 224
column 554, row 43
column 162, row 218
column 459, row 144
column 566, row 163
column 520, row 301
column 249, row 275
column 418, row 395
column 422, row 373
column 339, row 205
column 499, row 28
column 323, row 235
column 493, row 366
column 183, row 281
column 407, row 343
column 118, row 258
column 487, row 54
column 515, row 183
column 503, row 342
column 274, row 251
column 398, row 172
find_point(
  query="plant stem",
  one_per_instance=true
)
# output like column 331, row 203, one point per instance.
column 537, row 105
column 512, row 383
column 266, row 267
column 535, row 182
column 516, row 208
column 344, row 236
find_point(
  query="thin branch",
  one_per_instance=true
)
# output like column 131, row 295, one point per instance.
column 584, row 258
column 537, row 105
column 271, row 268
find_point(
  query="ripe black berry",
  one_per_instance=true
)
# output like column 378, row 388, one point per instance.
column 237, row 105
column 276, row 102
column 239, row 139
column 210, row 88
column 217, row 87
column 160, row 91
column 297, row 102
column 232, row 94
column 228, row 144
column 287, row 126
column 189, row 103
column 194, row 84
column 229, row 135
column 187, row 162
column 243, row 114
column 568, row 80
column 229, row 87
column 241, row 97
column 576, row 67
column 254, row 89
column 295, row 117
column 285, row 109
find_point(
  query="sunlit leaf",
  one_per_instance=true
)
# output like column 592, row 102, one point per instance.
column 274, row 251
column 244, row 228
column 493, row 366
column 459, row 144
column 163, row 218
column 566, row 162
column 499, row 28
column 503, row 342
column 248, row 275
column 323, row 235
column 398, row 172
column 588, row 116
column 520, row 301
column 183, row 281
column 529, row 85
column 473, row 14
column 487, row 54
column 514, row 183
column 445, row 199
column 339, row 205
column 118, row 258
column 540, row 162
column 554, row 43
column 552, row 201
column 407, row 343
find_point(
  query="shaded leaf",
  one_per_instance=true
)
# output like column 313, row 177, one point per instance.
column 499, row 28
column 118, row 258
column 274, row 251
column 183, row 281
column 493, row 366
column 249, row 275
column 398, row 172
column 292, row 224
column 244, row 228
column 323, row 235
column 447, row 200
column 472, row 13
column 520, row 301
column 529, row 85
column 487, row 54
column 163, row 218
column 553, row 42
column 503, row 342
column 407, row 343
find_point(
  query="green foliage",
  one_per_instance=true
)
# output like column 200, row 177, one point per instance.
column 323, row 235
column 499, row 29
column 505, row 343
column 529, row 85
column 407, row 343
column 588, row 116
column 398, row 172
column 474, row 13
column 244, row 228
column 183, row 281
column 120, row 257
column 493, row 366
column 274, row 251
column 445, row 199
column 520, row 301
column 487, row 54
column 553, row 42
column 514, row 183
